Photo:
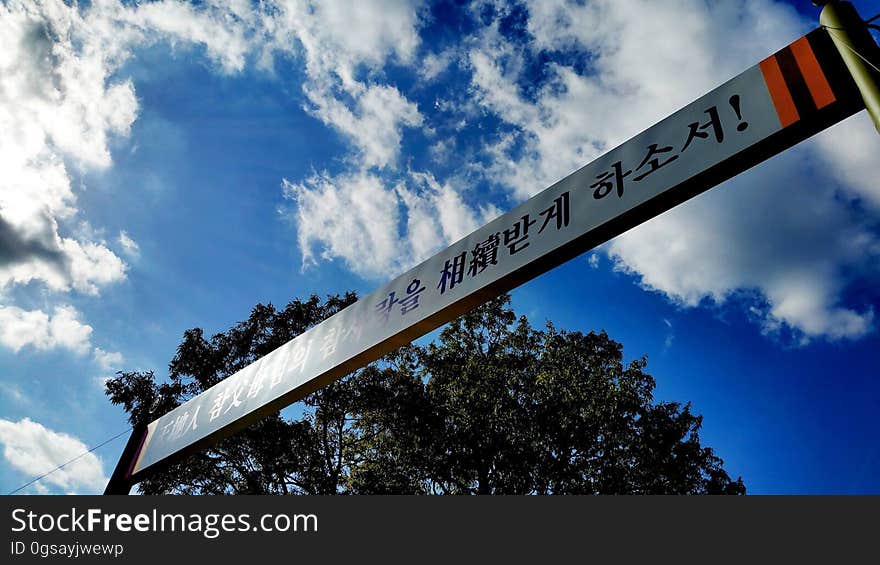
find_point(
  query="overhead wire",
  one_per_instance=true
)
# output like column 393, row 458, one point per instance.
column 66, row 463
column 851, row 48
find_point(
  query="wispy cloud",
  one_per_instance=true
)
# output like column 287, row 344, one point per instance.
column 108, row 360
column 129, row 246
column 13, row 392
column 670, row 334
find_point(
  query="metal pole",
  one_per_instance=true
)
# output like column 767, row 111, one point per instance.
column 858, row 50
column 120, row 481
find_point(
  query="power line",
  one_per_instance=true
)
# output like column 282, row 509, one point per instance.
column 59, row 467
column 851, row 48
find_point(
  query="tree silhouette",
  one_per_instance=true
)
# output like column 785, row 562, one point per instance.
column 493, row 406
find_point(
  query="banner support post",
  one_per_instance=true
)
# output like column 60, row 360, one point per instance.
column 120, row 481
column 858, row 50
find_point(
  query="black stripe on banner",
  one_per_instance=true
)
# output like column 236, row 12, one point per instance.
column 797, row 86
column 838, row 76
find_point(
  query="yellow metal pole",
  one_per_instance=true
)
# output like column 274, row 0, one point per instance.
column 858, row 50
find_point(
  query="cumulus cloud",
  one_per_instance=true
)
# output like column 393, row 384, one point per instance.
column 746, row 238
column 740, row 238
column 33, row 449
column 368, row 235
column 56, row 103
column 41, row 331
column 61, row 101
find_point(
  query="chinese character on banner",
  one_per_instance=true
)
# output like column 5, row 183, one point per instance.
column 167, row 429
column 411, row 301
column 256, row 384
column 557, row 211
column 183, row 423
column 352, row 333
column 330, row 341
column 484, row 254
column 697, row 130
column 297, row 360
column 238, row 390
column 653, row 161
column 515, row 237
column 452, row 273
column 610, row 180
column 219, row 400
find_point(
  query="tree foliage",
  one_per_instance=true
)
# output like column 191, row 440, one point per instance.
column 492, row 406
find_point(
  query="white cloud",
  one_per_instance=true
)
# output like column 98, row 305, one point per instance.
column 13, row 392
column 35, row 328
column 341, row 42
column 440, row 205
column 33, row 449
column 338, row 36
column 61, row 104
column 108, row 360
column 375, row 123
column 58, row 105
column 225, row 29
column 351, row 217
column 367, row 236
column 670, row 334
column 743, row 236
column 740, row 238
column 850, row 150
column 129, row 246
column 435, row 63
column 442, row 150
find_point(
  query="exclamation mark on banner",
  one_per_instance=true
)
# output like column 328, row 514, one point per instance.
column 734, row 103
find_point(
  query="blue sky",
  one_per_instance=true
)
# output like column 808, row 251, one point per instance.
column 169, row 165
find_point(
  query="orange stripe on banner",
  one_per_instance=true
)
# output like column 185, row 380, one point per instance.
column 820, row 90
column 785, row 109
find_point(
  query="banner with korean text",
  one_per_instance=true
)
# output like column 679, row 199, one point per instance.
column 784, row 99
